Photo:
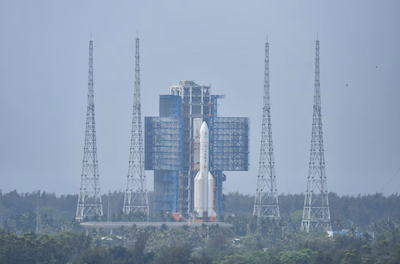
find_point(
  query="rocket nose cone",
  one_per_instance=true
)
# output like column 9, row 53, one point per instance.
column 203, row 128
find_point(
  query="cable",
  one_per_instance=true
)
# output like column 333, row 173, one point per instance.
column 390, row 179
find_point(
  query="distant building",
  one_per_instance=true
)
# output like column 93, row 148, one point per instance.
column 171, row 138
column 356, row 234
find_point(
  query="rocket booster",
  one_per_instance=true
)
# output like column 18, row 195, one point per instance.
column 204, row 181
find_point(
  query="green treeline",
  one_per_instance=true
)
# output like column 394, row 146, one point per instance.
column 245, row 243
column 372, row 220
column 361, row 209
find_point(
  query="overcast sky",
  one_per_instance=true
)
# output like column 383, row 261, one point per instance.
column 44, row 71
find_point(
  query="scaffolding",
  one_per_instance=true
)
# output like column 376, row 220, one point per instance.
column 219, row 197
column 164, row 152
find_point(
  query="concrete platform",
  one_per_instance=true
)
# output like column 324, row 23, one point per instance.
column 173, row 225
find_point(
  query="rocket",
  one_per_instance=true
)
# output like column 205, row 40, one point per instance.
column 204, row 181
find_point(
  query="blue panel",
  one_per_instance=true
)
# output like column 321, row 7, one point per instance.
column 169, row 201
column 163, row 143
column 164, row 136
column 229, row 146
column 170, row 105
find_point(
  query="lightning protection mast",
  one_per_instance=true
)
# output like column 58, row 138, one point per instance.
column 136, row 198
column 38, row 215
column 316, row 215
column 89, row 202
column 266, row 200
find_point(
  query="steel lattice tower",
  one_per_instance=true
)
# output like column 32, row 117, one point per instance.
column 266, row 200
column 316, row 213
column 89, row 203
column 136, row 198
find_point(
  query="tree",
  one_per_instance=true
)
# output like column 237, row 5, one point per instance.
column 395, row 259
column 351, row 257
column 296, row 257
column 173, row 255
column 137, row 254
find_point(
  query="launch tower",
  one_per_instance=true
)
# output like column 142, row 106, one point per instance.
column 316, row 215
column 266, row 199
column 136, row 198
column 89, row 202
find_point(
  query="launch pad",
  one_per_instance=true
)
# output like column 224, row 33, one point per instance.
column 172, row 148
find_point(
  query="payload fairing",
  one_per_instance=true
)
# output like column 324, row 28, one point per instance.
column 204, row 181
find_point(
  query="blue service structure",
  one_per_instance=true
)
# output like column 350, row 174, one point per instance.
column 170, row 144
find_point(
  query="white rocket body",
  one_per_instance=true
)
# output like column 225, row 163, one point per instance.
column 204, row 181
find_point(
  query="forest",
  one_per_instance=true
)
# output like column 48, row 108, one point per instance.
column 372, row 222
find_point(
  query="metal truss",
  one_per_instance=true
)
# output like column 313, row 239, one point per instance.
column 219, row 176
column 219, row 198
column 266, row 199
column 136, row 197
column 89, row 202
column 316, row 215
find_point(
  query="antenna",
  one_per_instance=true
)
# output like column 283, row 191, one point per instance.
column 89, row 202
column 266, row 199
column 316, row 213
column 109, row 210
column 109, row 207
column 136, row 197
column 38, row 216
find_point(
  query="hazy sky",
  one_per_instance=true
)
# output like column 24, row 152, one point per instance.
column 44, row 71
